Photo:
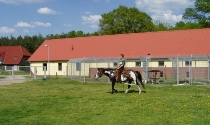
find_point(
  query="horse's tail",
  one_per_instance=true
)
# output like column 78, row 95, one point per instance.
column 140, row 78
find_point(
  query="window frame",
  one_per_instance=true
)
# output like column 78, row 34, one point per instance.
column 44, row 64
column 188, row 63
column 59, row 66
column 138, row 63
column 115, row 64
column 78, row 66
column 188, row 74
column 161, row 74
column 159, row 62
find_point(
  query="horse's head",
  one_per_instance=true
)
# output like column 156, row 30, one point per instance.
column 99, row 73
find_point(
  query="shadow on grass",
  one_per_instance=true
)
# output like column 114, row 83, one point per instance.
column 130, row 91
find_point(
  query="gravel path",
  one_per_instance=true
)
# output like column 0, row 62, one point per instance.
column 8, row 79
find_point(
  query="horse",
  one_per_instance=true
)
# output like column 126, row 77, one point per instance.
column 127, row 75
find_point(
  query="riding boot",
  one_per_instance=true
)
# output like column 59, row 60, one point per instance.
column 118, row 78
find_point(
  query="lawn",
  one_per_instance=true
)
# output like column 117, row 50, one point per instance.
column 65, row 102
column 2, row 72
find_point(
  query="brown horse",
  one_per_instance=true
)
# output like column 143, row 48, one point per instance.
column 126, row 76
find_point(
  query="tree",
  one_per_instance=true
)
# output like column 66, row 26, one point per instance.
column 159, row 26
column 179, row 25
column 28, row 43
column 4, row 41
column 80, row 33
column 12, row 41
column 56, row 36
column 49, row 36
column 19, row 40
column 200, row 13
column 188, row 25
column 71, row 34
column 125, row 20
column 37, row 41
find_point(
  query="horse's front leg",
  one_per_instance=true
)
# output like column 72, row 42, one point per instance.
column 113, row 84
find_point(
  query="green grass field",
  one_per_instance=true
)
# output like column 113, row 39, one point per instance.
column 65, row 102
column 2, row 72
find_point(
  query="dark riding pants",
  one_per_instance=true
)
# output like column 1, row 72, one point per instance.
column 118, row 74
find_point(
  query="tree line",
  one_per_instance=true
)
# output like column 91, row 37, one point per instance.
column 123, row 20
column 31, row 43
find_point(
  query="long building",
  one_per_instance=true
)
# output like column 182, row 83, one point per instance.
column 161, row 46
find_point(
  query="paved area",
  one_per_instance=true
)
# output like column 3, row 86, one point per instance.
column 8, row 79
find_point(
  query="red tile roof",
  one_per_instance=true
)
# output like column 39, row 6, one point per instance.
column 183, row 42
column 8, row 54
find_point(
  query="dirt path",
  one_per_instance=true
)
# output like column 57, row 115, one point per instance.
column 8, row 79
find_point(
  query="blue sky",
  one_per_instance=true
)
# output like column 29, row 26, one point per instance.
column 31, row 17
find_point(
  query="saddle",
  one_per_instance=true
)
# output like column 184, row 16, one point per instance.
column 125, row 73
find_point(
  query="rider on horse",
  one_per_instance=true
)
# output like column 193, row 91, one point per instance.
column 120, row 68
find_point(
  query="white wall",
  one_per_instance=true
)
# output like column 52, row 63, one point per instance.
column 53, row 68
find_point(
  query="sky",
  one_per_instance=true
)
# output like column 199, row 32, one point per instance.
column 33, row 17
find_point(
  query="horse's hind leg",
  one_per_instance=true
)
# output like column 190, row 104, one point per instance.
column 126, row 91
column 139, row 89
column 129, row 82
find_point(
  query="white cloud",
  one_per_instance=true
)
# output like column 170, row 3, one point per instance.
column 164, row 10
column 32, row 24
column 41, row 24
column 93, row 20
column 6, row 30
column 24, row 24
column 17, row 2
column 46, row 10
column 67, row 25
column 167, row 17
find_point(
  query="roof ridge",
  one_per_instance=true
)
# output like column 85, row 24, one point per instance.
column 21, row 50
column 5, row 56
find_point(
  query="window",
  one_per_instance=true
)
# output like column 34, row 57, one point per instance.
column 188, row 74
column 78, row 66
column 138, row 63
column 15, row 57
column 188, row 63
column 45, row 64
column 59, row 66
column 161, row 74
column 115, row 64
column 160, row 63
